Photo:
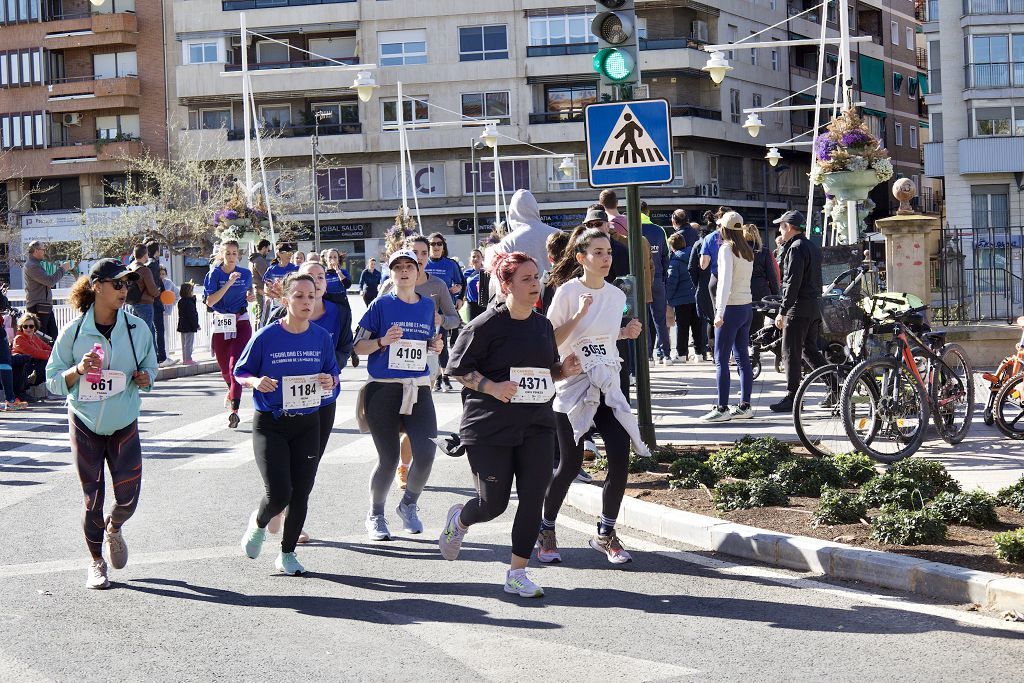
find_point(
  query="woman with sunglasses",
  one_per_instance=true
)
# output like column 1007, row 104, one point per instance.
column 103, row 391
column 448, row 271
column 30, row 354
column 228, row 290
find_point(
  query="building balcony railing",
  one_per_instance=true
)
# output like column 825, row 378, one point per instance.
column 300, row 130
column 591, row 48
column 95, row 30
column 78, row 93
column 689, row 110
column 230, row 5
column 293, row 64
column 564, row 116
column 994, row 75
column 989, row 7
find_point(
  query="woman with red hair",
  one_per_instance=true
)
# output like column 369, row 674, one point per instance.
column 507, row 361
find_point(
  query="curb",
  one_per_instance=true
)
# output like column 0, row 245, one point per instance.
column 178, row 370
column 802, row 553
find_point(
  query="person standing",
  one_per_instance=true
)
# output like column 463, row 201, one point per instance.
column 228, row 290
column 103, row 416
column 471, row 276
column 444, row 268
column 153, row 263
column 507, row 360
column 764, row 280
column 165, row 311
column 701, row 279
column 291, row 368
column 39, row 285
column 188, row 321
column 144, row 291
column 800, row 317
column 732, row 319
column 680, row 224
column 259, row 262
column 658, row 309
column 369, row 281
column 681, row 295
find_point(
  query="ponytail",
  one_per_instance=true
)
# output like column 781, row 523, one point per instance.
column 82, row 295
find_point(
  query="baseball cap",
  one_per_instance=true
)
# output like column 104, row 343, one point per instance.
column 110, row 269
column 400, row 254
column 731, row 219
column 792, row 217
column 596, row 215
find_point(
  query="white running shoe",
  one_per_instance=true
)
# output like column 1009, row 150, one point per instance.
column 519, row 583
column 288, row 564
column 253, row 539
column 611, row 547
column 117, row 549
column 740, row 413
column 377, row 528
column 716, row 415
column 667, row 361
column 450, row 541
column 97, row 576
column 547, row 547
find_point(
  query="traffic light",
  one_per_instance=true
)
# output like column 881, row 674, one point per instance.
column 617, row 61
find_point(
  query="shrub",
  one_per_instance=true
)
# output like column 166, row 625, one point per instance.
column 908, row 527
column 765, row 492
column 806, row 476
column 856, row 468
column 741, row 495
column 931, row 476
column 892, row 490
column 974, row 507
column 687, row 473
column 838, row 507
column 642, row 463
column 751, row 457
column 1010, row 545
column 1013, row 496
column 670, row 455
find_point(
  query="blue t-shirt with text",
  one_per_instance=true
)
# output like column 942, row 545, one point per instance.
column 472, row 278
column 447, row 270
column 233, row 300
column 275, row 352
column 277, row 272
column 416, row 321
column 336, row 280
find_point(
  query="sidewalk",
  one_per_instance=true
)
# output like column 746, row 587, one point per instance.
column 682, row 393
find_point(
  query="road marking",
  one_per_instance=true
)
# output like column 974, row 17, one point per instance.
column 15, row 494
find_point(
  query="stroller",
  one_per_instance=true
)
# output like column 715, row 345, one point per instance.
column 769, row 337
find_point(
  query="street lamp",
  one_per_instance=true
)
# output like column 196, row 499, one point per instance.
column 490, row 135
column 475, row 145
column 773, row 156
column 364, row 85
column 717, row 66
column 753, row 124
column 567, row 167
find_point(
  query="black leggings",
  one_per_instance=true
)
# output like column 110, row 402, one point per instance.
column 687, row 322
column 287, row 454
column 493, row 469
column 326, row 424
column 616, row 448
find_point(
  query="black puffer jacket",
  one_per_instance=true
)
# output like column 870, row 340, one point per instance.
column 764, row 280
column 801, row 278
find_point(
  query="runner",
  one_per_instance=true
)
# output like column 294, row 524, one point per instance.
column 396, row 332
column 472, row 277
column 290, row 366
column 338, row 279
column 279, row 267
column 103, row 404
column 228, row 289
column 586, row 312
column 448, row 271
column 507, row 360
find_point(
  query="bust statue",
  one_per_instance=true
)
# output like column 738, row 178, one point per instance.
column 904, row 190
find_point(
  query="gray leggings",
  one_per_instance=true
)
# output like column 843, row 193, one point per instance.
column 383, row 401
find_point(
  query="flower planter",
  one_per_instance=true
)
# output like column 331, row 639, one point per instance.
column 850, row 185
column 236, row 222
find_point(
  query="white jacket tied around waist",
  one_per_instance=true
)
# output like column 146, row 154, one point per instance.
column 579, row 397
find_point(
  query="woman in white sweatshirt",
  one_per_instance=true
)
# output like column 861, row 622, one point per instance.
column 733, row 313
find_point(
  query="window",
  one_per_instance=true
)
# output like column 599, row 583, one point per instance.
column 935, row 129
column 56, row 194
column 713, row 168
column 734, row 105
column 558, row 182
column 487, row 105
column 19, row 11
column 340, row 184
column 115, row 65
column 342, row 48
column 992, row 120
column 272, row 52
column 337, row 117
column 202, row 53
column 731, row 172
column 22, row 131
column 913, row 137
column 402, row 47
column 876, row 125
column 114, row 127
column 894, row 32
column 913, row 86
column 21, row 67
column 872, row 75
column 212, row 119
column 733, row 37
column 569, row 100
column 515, row 175
column 990, row 61
column 899, row 134
column 909, row 35
column 755, row 100
column 753, row 54
column 990, row 206
column 775, row 59
column 412, row 112
column 678, row 169
column 562, row 30
column 427, row 179
column 481, row 43
column 275, row 116
column 897, row 82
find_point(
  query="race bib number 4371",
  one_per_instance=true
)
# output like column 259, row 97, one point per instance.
column 533, row 385
column 594, row 351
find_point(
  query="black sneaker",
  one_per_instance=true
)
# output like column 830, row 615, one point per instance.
column 783, row 406
column 355, row 359
column 233, row 420
column 437, row 386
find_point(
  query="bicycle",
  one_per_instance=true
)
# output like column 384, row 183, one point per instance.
column 1007, row 406
column 1009, row 367
column 886, row 401
column 768, row 338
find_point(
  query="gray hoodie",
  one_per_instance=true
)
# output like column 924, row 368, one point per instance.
column 529, row 234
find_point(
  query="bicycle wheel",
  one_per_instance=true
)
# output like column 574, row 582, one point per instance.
column 951, row 393
column 887, row 421
column 755, row 363
column 1008, row 411
column 816, row 411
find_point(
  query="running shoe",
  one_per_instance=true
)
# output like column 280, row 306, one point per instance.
column 611, row 547
column 716, row 414
column 437, row 386
column 410, row 520
column 667, row 360
column 448, row 388
column 450, row 541
column 252, row 541
column 117, row 549
column 590, row 451
column 274, row 525
column 403, row 476
column 233, row 420
column 355, row 359
column 287, row 563
column 19, row 404
column 741, row 413
column 584, row 477
column 547, row 547
column 377, row 528
column 97, row 576
column 519, row 583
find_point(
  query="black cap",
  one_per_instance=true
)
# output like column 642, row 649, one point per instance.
column 110, row 269
column 596, row 215
column 792, row 217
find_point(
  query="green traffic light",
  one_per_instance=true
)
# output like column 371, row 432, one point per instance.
column 614, row 64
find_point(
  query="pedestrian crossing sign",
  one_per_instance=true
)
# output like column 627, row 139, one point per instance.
column 629, row 143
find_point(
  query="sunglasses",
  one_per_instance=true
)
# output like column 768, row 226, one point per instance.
column 437, row 244
column 595, row 224
column 116, row 284
column 28, row 327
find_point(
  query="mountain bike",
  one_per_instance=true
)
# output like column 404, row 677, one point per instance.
column 1008, row 369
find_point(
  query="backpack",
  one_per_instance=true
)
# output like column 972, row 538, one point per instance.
column 134, row 295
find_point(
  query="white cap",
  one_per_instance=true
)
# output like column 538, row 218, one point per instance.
column 403, row 253
column 731, row 219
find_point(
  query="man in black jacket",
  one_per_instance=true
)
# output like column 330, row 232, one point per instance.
column 800, row 317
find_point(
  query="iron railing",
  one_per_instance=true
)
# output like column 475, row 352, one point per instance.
column 994, row 75
column 978, row 275
column 990, row 6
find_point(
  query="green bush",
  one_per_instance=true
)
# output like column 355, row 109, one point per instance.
column 1013, row 496
column 806, row 476
column 908, row 527
column 687, row 473
column 838, row 507
column 670, row 455
column 642, row 463
column 931, row 476
column 856, row 468
column 974, row 507
column 1010, row 545
column 751, row 457
column 892, row 490
column 742, row 495
column 765, row 492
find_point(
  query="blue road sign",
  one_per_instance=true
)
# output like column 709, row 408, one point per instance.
column 629, row 143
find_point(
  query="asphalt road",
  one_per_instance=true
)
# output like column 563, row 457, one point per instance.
column 191, row 607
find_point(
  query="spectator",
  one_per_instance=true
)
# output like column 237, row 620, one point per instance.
column 168, row 309
column 620, row 233
column 153, row 250
column 657, row 310
column 764, row 281
column 142, row 292
column 30, row 354
column 681, row 224
column 259, row 262
column 299, row 259
column 314, row 257
column 369, row 281
column 701, row 279
column 9, row 400
column 472, row 277
column 38, row 286
column 338, row 279
column 681, row 295
column 188, row 321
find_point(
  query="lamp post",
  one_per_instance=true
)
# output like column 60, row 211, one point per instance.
column 764, row 180
column 316, row 185
column 474, row 174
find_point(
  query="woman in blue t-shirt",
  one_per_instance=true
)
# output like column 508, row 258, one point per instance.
column 396, row 331
column 338, row 279
column 472, row 278
column 291, row 369
column 228, row 291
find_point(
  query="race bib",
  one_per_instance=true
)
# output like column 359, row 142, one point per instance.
column 113, row 382
column 594, row 351
column 408, row 354
column 534, row 385
column 223, row 323
column 301, row 391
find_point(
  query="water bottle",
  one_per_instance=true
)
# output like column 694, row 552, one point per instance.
column 94, row 376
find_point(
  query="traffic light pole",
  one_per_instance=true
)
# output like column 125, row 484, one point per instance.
column 636, row 268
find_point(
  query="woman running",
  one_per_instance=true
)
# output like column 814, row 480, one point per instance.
column 472, row 277
column 507, row 361
column 290, row 366
column 586, row 313
column 228, row 290
column 338, row 279
column 395, row 332
column 101, row 362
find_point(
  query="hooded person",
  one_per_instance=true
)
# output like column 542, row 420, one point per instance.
column 529, row 234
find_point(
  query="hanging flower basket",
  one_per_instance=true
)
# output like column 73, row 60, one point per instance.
column 848, row 186
column 849, row 159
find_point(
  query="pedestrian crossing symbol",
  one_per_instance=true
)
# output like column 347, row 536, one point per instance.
column 629, row 143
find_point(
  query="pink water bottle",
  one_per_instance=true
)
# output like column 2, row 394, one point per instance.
column 94, row 376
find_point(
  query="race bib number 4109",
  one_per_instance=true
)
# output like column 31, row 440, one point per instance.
column 408, row 354
column 594, row 351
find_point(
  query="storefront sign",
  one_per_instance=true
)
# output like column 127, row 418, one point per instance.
column 338, row 231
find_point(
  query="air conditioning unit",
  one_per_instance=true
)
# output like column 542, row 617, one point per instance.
column 713, row 189
column 236, row 41
column 699, row 30
column 704, row 190
column 641, row 91
column 72, row 119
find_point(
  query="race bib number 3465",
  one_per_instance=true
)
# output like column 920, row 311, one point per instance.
column 594, row 351
column 408, row 354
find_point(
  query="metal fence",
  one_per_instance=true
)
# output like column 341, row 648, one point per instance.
column 978, row 275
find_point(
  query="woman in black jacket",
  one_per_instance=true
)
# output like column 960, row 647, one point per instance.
column 701, row 278
column 765, row 279
column 188, row 321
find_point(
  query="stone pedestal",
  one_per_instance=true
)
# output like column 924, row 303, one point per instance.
column 907, row 256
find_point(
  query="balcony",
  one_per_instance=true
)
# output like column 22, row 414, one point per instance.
column 934, row 160
column 235, row 5
column 1000, row 154
column 296, row 64
column 994, row 75
column 97, row 30
column 223, row 143
column 204, row 83
column 300, row 131
column 89, row 93
column 646, row 44
column 566, row 116
column 79, row 157
column 689, row 110
column 992, row 7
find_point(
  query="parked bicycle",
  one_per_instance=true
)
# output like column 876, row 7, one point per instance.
column 1005, row 405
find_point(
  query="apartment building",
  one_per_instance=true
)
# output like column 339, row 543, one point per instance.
column 976, row 57
column 81, row 88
